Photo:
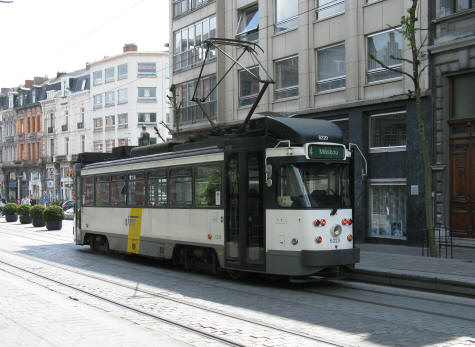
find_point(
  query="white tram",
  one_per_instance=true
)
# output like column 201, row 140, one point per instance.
column 275, row 200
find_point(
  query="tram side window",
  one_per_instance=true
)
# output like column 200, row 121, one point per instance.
column 181, row 187
column 102, row 190
column 157, row 188
column 118, row 191
column 88, row 191
column 208, row 186
column 136, row 189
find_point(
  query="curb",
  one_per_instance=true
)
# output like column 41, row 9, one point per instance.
column 434, row 284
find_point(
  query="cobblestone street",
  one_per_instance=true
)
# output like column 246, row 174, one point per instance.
column 57, row 293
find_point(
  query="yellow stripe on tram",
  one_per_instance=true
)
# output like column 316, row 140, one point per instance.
column 135, row 226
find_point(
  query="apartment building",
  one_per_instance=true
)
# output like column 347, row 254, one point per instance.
column 66, row 131
column 452, row 51
column 317, row 52
column 128, row 91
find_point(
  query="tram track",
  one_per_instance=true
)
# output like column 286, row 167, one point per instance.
column 313, row 291
column 301, row 335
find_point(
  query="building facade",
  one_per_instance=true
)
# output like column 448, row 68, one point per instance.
column 128, row 91
column 317, row 52
column 452, row 51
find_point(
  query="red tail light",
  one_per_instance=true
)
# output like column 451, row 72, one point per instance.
column 350, row 221
column 316, row 222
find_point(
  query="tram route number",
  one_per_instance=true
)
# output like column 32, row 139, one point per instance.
column 334, row 240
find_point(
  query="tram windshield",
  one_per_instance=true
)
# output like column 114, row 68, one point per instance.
column 316, row 185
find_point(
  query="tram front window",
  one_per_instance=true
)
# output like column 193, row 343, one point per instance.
column 314, row 185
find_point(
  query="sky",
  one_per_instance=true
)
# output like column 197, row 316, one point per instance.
column 43, row 37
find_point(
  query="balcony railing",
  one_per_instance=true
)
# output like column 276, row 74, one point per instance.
column 64, row 127
column 50, row 130
column 192, row 114
column 80, row 125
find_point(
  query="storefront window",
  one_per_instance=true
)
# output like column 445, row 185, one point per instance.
column 387, row 209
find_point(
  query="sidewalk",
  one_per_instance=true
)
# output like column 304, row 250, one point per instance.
column 405, row 266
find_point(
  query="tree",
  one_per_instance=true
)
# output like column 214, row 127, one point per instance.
column 408, row 30
column 176, row 106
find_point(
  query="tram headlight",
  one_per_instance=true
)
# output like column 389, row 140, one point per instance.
column 337, row 230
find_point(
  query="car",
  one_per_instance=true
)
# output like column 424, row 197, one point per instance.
column 67, row 204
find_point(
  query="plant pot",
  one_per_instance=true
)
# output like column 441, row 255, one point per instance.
column 11, row 217
column 54, row 225
column 25, row 219
column 38, row 222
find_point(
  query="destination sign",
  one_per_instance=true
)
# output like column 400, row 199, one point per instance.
column 321, row 151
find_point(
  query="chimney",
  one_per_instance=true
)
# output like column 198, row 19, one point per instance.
column 29, row 83
column 130, row 47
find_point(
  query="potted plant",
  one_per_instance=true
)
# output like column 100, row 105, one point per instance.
column 36, row 214
column 9, row 211
column 53, row 216
column 24, row 211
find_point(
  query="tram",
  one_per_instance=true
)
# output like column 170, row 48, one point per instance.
column 276, row 199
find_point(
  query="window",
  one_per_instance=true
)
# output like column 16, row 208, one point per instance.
column 331, row 68
column 248, row 24
column 122, row 71
column 122, row 120
column 110, row 98
column 97, row 101
column 147, row 117
column 122, row 96
column 286, row 15
column 208, row 186
column 110, row 74
column 83, row 143
column 66, row 145
column 187, row 48
column 248, row 86
column 102, row 190
column 190, row 111
column 109, row 145
column 136, row 191
column 328, row 8
column 98, row 146
column 147, row 93
column 88, row 190
column 313, row 185
column 180, row 194
column 388, row 130
column 157, row 188
column 146, row 69
column 118, row 190
column 448, row 7
column 181, row 7
column 286, row 78
column 110, row 121
column 463, row 101
column 83, row 111
column 387, row 208
column 97, row 77
column 123, row 142
column 386, row 47
column 97, row 123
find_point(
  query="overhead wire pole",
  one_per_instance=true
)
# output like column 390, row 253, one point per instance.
column 248, row 47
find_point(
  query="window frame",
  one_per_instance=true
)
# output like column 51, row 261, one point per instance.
column 331, row 79
column 251, row 97
column 123, row 75
column 284, row 21
column 289, row 88
column 333, row 3
column 383, row 149
column 97, row 78
column 110, row 78
column 195, row 176
column 146, row 98
column 244, row 13
column 146, row 73
column 381, row 68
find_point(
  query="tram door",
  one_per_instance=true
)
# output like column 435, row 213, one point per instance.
column 244, row 211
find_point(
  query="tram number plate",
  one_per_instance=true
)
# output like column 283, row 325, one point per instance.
column 334, row 240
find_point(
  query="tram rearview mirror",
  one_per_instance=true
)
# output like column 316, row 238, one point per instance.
column 268, row 175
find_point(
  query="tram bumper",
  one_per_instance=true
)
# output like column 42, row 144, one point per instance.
column 331, row 257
